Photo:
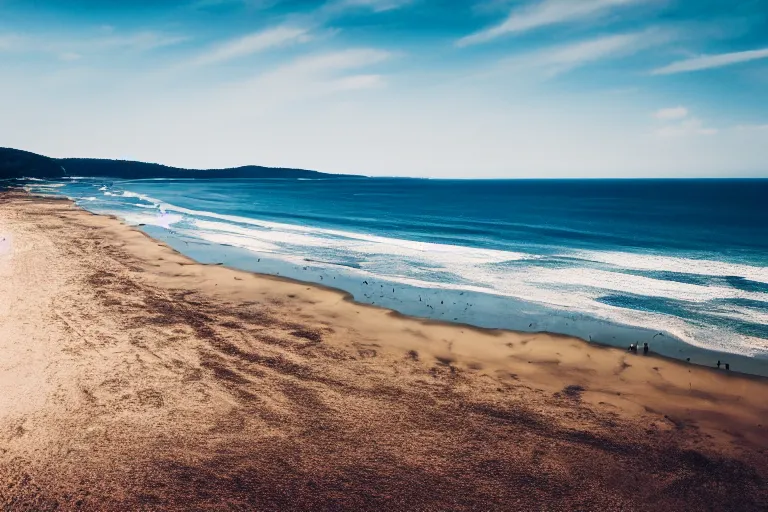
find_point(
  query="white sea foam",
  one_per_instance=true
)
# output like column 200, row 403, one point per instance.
column 161, row 220
column 479, row 255
column 265, row 235
column 359, row 244
column 49, row 185
column 751, row 315
column 657, row 263
column 475, row 264
column 233, row 240
column 142, row 197
column 636, row 285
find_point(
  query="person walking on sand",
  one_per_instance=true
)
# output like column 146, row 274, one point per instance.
column 645, row 348
column 718, row 364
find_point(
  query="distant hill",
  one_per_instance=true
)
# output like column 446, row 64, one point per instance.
column 15, row 163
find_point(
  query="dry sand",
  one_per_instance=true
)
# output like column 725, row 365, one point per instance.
column 133, row 378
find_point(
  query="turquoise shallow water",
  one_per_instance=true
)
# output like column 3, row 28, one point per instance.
column 682, row 264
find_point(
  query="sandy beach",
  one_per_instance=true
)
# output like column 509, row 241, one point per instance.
column 133, row 378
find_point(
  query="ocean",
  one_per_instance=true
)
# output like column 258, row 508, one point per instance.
column 680, row 264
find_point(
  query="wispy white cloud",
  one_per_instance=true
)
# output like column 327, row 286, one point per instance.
column 305, row 82
column 357, row 82
column 69, row 48
column 688, row 127
column 322, row 64
column 670, row 114
column 326, row 7
column 253, row 43
column 677, row 122
column 303, row 28
column 141, row 41
column 316, row 75
column 334, row 9
column 544, row 13
column 567, row 57
column 711, row 61
column 310, row 76
column 374, row 5
column 70, row 56
column 206, row 5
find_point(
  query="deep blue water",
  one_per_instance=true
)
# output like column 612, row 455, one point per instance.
column 688, row 258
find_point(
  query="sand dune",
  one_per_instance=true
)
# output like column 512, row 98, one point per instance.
column 134, row 378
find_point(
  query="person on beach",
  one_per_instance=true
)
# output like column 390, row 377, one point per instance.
column 645, row 348
column 718, row 364
column 728, row 366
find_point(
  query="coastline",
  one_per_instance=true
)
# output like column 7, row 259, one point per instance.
column 225, row 370
column 483, row 309
column 518, row 316
column 700, row 314
column 494, row 331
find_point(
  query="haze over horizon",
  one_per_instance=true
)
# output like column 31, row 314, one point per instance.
column 424, row 88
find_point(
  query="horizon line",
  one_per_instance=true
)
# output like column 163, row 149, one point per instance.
column 344, row 174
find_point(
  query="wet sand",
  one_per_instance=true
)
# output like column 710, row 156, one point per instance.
column 133, row 378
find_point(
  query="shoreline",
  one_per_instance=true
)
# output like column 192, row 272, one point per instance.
column 491, row 331
column 585, row 329
column 134, row 377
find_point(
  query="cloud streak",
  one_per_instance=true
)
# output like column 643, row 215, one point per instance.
column 564, row 58
column 673, row 113
column 253, row 43
column 309, row 75
column 73, row 48
column 285, row 35
column 542, row 14
column 305, row 77
column 374, row 5
column 328, row 63
column 711, row 61
column 141, row 41
column 678, row 123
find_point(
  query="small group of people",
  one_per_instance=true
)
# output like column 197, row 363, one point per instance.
column 633, row 348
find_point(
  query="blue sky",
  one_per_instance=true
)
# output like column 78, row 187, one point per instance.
column 439, row 88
